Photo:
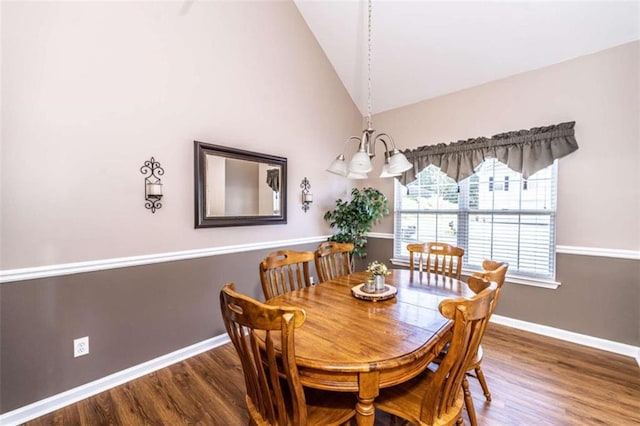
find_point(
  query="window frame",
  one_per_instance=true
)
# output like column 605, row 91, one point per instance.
column 463, row 214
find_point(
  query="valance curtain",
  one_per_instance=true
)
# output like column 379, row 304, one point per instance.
column 524, row 151
column 273, row 179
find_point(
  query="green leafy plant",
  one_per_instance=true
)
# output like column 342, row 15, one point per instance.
column 356, row 217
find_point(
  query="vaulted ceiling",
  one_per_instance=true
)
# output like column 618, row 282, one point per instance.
column 423, row 49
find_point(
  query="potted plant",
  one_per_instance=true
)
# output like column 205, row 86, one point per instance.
column 379, row 271
column 356, row 217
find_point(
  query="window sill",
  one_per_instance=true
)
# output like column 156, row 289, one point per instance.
column 512, row 279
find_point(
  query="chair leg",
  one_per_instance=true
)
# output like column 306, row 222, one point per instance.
column 468, row 402
column 483, row 383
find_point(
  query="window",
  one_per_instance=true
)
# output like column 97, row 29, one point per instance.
column 494, row 214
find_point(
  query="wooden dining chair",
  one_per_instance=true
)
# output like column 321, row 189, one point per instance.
column 333, row 260
column 440, row 258
column 436, row 397
column 275, row 395
column 496, row 272
column 285, row 270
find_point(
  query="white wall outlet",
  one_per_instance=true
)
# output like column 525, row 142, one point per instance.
column 81, row 346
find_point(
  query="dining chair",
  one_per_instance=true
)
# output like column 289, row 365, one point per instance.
column 494, row 272
column 440, row 258
column 275, row 395
column 285, row 270
column 436, row 397
column 333, row 260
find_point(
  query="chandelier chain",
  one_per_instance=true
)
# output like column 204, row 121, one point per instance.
column 395, row 162
column 369, row 68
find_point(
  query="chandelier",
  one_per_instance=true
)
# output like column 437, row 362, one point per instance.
column 394, row 161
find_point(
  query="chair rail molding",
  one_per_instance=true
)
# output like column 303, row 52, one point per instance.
column 23, row 274
column 562, row 249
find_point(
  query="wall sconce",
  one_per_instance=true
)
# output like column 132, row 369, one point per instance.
column 152, row 184
column 307, row 197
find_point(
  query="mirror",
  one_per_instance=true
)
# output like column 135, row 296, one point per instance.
column 235, row 187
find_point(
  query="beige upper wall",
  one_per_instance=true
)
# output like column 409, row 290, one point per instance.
column 598, row 185
column 92, row 90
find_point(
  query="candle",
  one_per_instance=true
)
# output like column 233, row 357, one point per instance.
column 307, row 197
column 154, row 189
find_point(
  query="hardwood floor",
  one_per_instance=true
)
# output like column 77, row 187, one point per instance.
column 533, row 380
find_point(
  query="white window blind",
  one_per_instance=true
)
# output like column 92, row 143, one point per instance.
column 494, row 214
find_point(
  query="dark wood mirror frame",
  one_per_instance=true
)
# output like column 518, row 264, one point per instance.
column 202, row 219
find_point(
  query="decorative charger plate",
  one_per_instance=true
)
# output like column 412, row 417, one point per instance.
column 387, row 292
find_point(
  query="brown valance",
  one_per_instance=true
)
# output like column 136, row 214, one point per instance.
column 524, row 151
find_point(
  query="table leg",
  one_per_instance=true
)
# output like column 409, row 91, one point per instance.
column 368, row 387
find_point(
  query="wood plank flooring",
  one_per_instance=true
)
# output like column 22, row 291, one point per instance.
column 533, row 380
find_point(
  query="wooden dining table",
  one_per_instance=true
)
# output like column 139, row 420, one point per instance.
column 352, row 345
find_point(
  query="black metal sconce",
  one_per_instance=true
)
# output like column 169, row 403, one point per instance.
column 307, row 197
column 152, row 184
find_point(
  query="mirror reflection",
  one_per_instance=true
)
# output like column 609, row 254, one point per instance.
column 236, row 187
column 241, row 188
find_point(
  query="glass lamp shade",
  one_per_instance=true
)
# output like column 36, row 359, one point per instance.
column 386, row 173
column 360, row 163
column 398, row 163
column 354, row 175
column 338, row 166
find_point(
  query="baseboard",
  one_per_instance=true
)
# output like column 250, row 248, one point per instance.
column 55, row 402
column 570, row 336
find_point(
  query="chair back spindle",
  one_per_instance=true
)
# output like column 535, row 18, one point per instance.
column 333, row 260
column 439, row 258
column 285, row 270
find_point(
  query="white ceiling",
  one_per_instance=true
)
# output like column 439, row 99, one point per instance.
column 423, row 49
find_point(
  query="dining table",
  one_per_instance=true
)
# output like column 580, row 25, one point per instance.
column 348, row 344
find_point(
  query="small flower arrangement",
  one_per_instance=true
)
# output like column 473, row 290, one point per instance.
column 377, row 268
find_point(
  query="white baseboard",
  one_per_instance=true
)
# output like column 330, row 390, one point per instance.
column 74, row 395
column 55, row 402
column 570, row 336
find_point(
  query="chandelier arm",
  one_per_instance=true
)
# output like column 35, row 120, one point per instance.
column 380, row 136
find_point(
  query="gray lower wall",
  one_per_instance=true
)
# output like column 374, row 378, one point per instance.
column 599, row 296
column 131, row 315
column 136, row 314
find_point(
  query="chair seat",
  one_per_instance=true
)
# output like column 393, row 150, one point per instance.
column 405, row 401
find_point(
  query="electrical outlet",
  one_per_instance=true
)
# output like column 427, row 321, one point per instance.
column 81, row 346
